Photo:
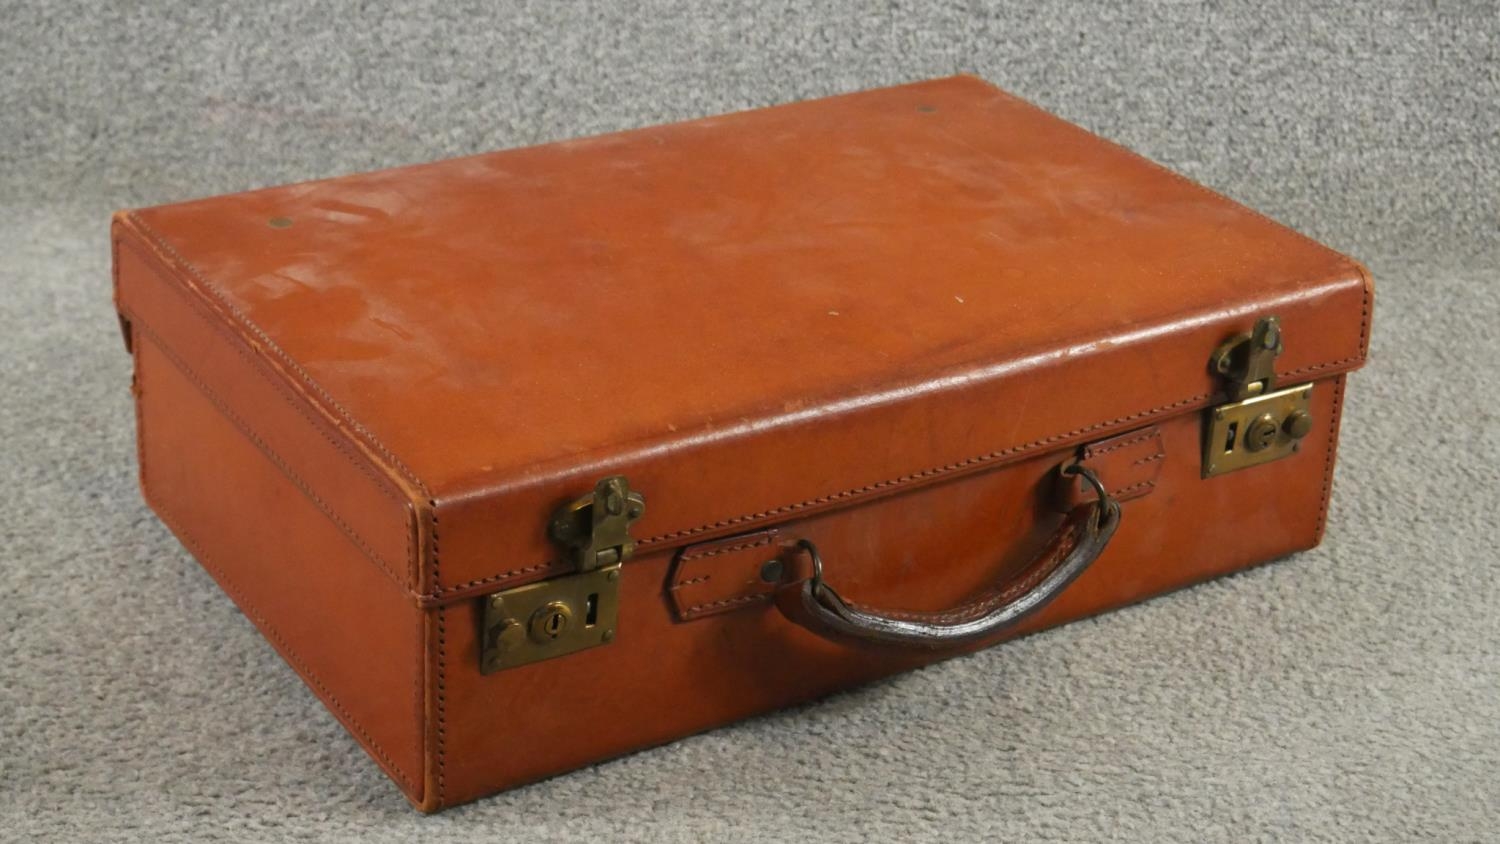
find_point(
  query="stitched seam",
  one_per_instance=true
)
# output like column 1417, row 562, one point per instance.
column 923, row 475
column 1151, row 459
column 765, row 540
column 228, row 585
column 1333, row 432
column 1125, row 444
column 270, row 454
column 1133, row 487
column 726, row 602
column 938, row 471
column 382, row 484
column 438, row 589
column 291, row 400
column 1318, row 367
column 244, row 323
column 1338, row 406
column 1364, row 325
column 286, row 649
column 550, row 564
column 1359, row 269
column 903, row 480
column 686, row 583
column 442, row 719
column 441, row 731
column 888, row 484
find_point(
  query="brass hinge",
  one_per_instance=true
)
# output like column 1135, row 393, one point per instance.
column 563, row 615
column 1260, row 423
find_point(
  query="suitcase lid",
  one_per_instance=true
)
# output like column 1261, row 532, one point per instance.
column 753, row 316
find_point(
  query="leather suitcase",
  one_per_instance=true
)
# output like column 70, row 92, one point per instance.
column 534, row 458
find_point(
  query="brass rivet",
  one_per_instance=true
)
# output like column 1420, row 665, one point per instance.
column 1271, row 337
column 1298, row 424
column 280, row 222
column 613, row 576
column 507, row 637
column 606, row 635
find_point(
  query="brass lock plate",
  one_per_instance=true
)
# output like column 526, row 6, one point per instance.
column 1256, row 430
column 549, row 618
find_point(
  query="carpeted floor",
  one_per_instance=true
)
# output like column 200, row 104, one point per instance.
column 1348, row 693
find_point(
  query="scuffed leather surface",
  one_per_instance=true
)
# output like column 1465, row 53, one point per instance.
column 1245, row 701
column 925, row 551
column 904, row 255
column 382, row 377
column 356, row 640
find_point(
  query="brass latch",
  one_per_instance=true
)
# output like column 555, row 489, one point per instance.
column 1260, row 423
column 563, row 615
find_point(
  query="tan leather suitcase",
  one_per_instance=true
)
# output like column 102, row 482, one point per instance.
column 534, row 458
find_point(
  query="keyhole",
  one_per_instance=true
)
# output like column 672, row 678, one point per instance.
column 550, row 622
column 1261, row 433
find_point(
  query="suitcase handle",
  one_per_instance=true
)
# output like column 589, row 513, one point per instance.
column 1078, row 542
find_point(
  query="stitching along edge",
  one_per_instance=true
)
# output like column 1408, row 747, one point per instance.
column 264, row 341
column 714, row 552
column 283, row 648
column 439, row 672
column 949, row 468
column 857, row 493
column 1330, row 448
column 438, row 591
column 313, row 681
column 243, row 349
column 1152, row 432
column 276, row 459
column 703, row 609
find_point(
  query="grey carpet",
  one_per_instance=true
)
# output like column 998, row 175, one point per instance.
column 1352, row 692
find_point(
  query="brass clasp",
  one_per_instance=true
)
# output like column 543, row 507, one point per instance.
column 563, row 615
column 1260, row 423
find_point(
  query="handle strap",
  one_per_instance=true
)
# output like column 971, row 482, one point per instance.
column 1078, row 542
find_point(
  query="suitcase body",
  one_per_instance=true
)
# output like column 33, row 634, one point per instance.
column 530, row 459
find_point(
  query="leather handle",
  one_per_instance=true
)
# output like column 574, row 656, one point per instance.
column 1078, row 542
